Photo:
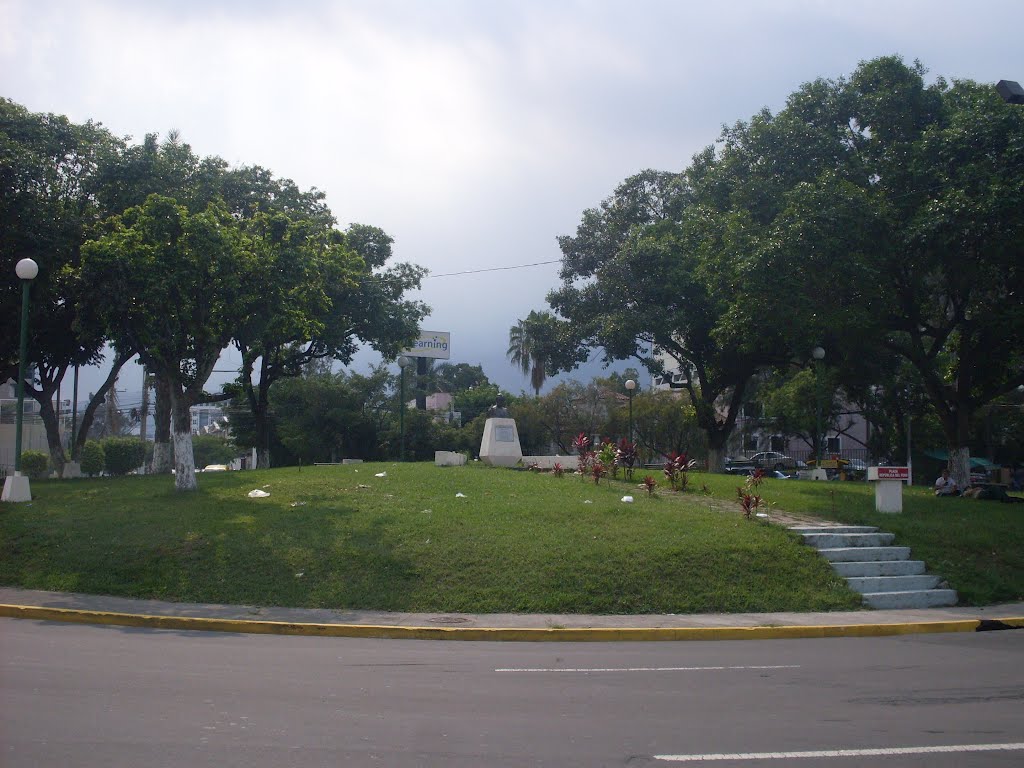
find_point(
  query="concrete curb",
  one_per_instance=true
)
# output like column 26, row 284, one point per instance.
column 505, row 634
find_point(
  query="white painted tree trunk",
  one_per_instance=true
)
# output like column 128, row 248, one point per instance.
column 161, row 459
column 960, row 466
column 181, row 435
column 184, row 462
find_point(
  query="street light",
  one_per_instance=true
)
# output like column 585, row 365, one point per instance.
column 403, row 363
column 16, row 487
column 818, row 353
column 630, row 386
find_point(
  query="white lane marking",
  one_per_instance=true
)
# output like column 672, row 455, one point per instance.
column 843, row 753
column 650, row 669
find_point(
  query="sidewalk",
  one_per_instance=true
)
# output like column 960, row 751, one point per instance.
column 119, row 611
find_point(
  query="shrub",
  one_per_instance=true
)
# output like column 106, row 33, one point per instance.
column 211, row 449
column 123, row 454
column 34, row 463
column 93, row 458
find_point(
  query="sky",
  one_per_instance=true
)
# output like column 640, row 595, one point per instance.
column 474, row 132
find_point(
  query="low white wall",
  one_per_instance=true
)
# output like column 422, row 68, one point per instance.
column 449, row 459
column 548, row 462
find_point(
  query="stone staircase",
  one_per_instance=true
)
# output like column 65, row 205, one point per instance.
column 885, row 575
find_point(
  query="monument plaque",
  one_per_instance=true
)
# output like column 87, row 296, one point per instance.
column 500, row 444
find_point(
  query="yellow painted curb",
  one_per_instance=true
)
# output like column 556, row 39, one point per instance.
column 508, row 634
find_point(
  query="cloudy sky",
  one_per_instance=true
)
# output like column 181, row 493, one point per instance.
column 473, row 131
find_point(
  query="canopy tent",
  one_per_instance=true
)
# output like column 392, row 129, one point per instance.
column 976, row 461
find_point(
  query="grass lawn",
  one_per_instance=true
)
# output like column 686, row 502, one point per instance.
column 340, row 537
column 977, row 546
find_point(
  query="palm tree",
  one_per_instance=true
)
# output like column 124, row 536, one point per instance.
column 527, row 347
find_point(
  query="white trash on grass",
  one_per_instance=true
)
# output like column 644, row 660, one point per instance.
column 628, row 499
column 381, row 474
column 258, row 494
column 460, row 495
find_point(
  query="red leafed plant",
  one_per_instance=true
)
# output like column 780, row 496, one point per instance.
column 626, row 456
column 558, row 469
column 650, row 484
column 598, row 470
column 748, row 500
column 676, row 468
column 586, row 456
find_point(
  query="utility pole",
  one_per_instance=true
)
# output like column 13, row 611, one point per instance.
column 144, row 410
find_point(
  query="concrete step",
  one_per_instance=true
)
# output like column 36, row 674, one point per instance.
column 834, row 528
column 879, row 568
column 866, row 584
column 840, row 540
column 927, row 598
column 848, row 554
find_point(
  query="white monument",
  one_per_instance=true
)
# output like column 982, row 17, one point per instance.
column 500, row 444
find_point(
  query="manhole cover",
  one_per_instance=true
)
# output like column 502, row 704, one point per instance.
column 447, row 620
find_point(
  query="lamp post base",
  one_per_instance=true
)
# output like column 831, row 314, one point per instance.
column 16, row 488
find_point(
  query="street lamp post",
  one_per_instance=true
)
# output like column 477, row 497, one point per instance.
column 16, row 487
column 630, row 386
column 818, row 353
column 403, row 363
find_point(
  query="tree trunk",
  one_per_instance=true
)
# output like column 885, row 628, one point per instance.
column 53, row 436
column 960, row 466
column 162, row 456
column 262, row 437
column 181, row 434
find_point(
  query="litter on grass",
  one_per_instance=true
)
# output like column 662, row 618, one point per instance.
column 258, row 494
column 460, row 495
column 297, row 504
column 628, row 499
column 381, row 474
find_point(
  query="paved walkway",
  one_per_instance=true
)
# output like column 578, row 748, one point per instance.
column 98, row 609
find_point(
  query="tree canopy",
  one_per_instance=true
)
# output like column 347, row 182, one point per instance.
column 871, row 214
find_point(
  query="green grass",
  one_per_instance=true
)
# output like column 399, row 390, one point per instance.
column 977, row 546
column 339, row 537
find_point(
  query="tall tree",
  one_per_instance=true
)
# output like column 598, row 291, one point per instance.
column 180, row 283
column 532, row 346
column 323, row 292
column 49, row 171
column 947, row 166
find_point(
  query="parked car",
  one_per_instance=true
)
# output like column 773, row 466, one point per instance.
column 774, row 460
column 739, row 466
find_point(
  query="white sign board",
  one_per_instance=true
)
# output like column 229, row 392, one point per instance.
column 435, row 344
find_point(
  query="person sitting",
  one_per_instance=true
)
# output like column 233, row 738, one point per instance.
column 946, row 485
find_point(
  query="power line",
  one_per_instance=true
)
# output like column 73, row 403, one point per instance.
column 495, row 269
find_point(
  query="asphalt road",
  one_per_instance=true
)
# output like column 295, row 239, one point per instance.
column 79, row 695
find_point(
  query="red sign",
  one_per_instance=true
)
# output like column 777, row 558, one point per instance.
column 893, row 473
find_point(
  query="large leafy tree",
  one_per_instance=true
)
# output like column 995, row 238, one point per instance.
column 946, row 164
column 49, row 171
column 322, row 293
column 689, row 267
column 180, row 283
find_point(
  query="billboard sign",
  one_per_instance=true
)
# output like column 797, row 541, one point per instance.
column 435, row 344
